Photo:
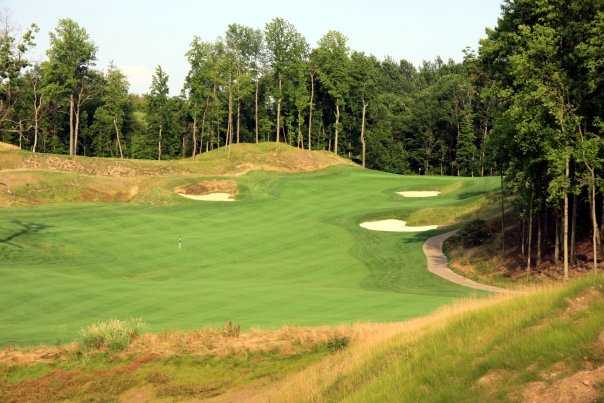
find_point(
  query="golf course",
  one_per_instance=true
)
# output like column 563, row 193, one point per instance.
column 288, row 251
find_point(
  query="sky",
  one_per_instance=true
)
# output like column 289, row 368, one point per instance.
column 138, row 35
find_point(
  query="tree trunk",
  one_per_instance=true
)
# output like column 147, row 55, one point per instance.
column 71, row 137
column 229, row 134
column 335, row 139
column 279, row 110
column 300, row 136
column 522, row 238
column 502, row 214
column 573, row 231
column 159, row 145
column 37, row 108
column 594, row 219
column 557, row 240
column 194, row 136
column 256, row 109
column 238, row 117
column 117, row 136
column 310, row 108
column 539, row 239
column 530, row 235
column 363, row 133
column 76, row 129
column 483, row 149
column 565, row 229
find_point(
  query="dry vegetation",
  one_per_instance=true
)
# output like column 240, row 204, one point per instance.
column 34, row 179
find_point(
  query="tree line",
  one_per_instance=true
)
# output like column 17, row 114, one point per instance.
column 249, row 85
column 543, row 64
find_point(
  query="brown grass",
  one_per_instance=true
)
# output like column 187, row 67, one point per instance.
column 311, row 383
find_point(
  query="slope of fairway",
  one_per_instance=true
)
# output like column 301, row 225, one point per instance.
column 289, row 251
column 545, row 345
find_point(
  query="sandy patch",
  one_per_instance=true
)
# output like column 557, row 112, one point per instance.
column 394, row 226
column 426, row 193
column 215, row 197
column 213, row 190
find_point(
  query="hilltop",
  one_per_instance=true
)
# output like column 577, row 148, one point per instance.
column 29, row 178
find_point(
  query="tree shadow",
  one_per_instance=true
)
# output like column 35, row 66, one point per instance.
column 468, row 195
column 25, row 229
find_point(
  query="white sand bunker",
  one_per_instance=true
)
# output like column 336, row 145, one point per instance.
column 394, row 226
column 425, row 193
column 216, row 197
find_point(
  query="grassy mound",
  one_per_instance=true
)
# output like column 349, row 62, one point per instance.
column 33, row 179
column 546, row 345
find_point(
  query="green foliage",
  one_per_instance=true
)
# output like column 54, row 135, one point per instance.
column 114, row 335
column 337, row 343
column 474, row 233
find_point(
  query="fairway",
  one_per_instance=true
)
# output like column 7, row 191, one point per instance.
column 288, row 251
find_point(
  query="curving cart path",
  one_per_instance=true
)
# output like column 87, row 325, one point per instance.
column 437, row 264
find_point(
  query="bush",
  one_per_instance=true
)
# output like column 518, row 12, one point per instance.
column 231, row 329
column 115, row 335
column 474, row 233
column 337, row 343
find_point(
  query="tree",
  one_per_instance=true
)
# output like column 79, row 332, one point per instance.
column 363, row 89
column 70, row 57
column 333, row 66
column 112, row 113
column 246, row 45
column 199, row 84
column 286, row 48
column 13, row 61
column 157, row 107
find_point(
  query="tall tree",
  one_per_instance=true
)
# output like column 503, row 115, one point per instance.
column 286, row 48
column 333, row 67
column 70, row 57
column 363, row 80
column 158, row 108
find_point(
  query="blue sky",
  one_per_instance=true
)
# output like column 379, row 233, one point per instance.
column 140, row 34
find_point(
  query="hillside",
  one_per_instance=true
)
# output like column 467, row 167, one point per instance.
column 543, row 345
column 28, row 178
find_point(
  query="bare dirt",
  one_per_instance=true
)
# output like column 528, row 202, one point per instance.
column 581, row 387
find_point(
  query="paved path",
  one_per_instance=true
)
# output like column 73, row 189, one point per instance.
column 437, row 264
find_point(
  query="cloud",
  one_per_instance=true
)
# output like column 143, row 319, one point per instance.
column 139, row 78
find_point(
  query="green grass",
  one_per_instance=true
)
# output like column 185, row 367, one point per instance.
column 521, row 340
column 290, row 251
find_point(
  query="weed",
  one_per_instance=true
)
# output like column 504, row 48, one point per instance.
column 115, row 335
column 337, row 343
column 231, row 329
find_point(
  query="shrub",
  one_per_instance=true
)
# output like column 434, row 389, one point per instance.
column 115, row 335
column 337, row 343
column 474, row 233
column 231, row 329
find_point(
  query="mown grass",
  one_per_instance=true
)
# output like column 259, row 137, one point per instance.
column 289, row 251
column 518, row 339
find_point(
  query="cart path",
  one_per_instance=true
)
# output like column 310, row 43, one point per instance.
column 437, row 264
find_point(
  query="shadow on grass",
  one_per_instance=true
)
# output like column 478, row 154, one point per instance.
column 25, row 229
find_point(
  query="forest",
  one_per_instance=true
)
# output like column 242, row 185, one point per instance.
column 525, row 105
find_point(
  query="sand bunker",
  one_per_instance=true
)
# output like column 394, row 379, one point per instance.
column 212, row 190
column 429, row 193
column 216, row 197
column 394, row 226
